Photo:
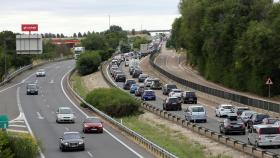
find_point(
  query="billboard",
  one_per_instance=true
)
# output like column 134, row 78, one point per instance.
column 29, row 44
column 29, row 27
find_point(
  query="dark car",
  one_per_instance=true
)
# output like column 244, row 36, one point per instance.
column 116, row 72
column 156, row 84
column 167, row 88
column 148, row 95
column 190, row 97
column 128, row 83
column 232, row 124
column 142, row 77
column 71, row 141
column 136, row 73
column 31, row 89
column 256, row 119
column 92, row 124
column 120, row 78
column 172, row 103
column 131, row 69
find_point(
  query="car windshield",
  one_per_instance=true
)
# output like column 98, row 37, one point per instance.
column 197, row 109
column 149, row 92
column 32, row 86
column 173, row 100
column 92, row 120
column 41, row 70
column 131, row 81
column 272, row 120
column 143, row 76
column 261, row 117
column 227, row 107
column 269, row 130
column 171, row 86
column 65, row 111
column 190, row 94
column 71, row 136
column 233, row 118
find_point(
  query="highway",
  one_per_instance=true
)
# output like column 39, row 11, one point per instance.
column 212, row 122
column 39, row 116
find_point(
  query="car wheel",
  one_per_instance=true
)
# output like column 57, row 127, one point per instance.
column 220, row 115
column 249, row 142
column 56, row 121
column 205, row 121
column 221, row 131
column 243, row 133
column 257, row 144
column 226, row 132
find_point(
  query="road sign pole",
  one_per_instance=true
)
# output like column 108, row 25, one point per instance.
column 269, row 90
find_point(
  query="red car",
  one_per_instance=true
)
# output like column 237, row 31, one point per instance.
column 92, row 124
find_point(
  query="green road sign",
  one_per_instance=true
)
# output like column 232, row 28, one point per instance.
column 4, row 121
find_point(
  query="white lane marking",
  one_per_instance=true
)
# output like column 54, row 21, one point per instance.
column 51, row 81
column 90, row 154
column 40, row 116
column 21, row 126
column 13, row 121
column 17, row 131
column 27, row 124
column 36, row 81
column 67, row 129
column 121, row 142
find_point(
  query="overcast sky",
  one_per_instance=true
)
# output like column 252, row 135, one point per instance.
column 68, row 16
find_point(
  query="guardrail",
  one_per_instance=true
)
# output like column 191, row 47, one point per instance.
column 27, row 67
column 150, row 146
column 257, row 103
column 238, row 145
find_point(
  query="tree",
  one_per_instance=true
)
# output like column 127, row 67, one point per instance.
column 80, row 35
column 88, row 62
column 133, row 32
column 95, row 41
column 84, row 35
column 62, row 35
column 58, row 35
column 75, row 35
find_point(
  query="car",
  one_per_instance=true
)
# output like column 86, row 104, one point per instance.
column 166, row 89
column 115, row 72
column 120, row 78
column 172, row 103
column 256, row 119
column 232, row 124
column 264, row 135
column 142, row 77
column 239, row 110
column 133, row 88
column 32, row 89
column 148, row 95
column 277, row 123
column 176, row 93
column 41, row 73
column 189, row 97
column 156, row 84
column 65, row 114
column 140, row 90
column 270, row 120
column 245, row 116
column 113, row 68
column 195, row 113
column 71, row 141
column 92, row 124
column 128, row 83
column 223, row 110
column 136, row 72
column 148, row 82
column 126, row 63
column 131, row 69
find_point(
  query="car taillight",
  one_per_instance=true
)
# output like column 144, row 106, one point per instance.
column 100, row 125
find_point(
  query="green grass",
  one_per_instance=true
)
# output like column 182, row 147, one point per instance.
column 169, row 139
column 78, row 85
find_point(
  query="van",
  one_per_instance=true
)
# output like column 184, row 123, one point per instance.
column 264, row 135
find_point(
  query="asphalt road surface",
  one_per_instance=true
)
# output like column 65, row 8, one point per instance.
column 39, row 116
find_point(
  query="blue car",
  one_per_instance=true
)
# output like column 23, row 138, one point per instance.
column 133, row 88
column 148, row 95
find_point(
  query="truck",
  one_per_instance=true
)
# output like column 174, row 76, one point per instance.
column 77, row 51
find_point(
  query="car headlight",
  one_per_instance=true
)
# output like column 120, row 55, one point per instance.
column 28, row 90
column 65, row 143
column 80, row 143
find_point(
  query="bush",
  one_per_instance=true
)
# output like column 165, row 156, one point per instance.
column 113, row 102
column 88, row 62
column 5, row 150
column 23, row 145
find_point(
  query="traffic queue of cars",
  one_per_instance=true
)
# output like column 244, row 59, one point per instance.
column 69, row 140
column 262, row 130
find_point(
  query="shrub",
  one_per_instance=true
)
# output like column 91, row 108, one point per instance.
column 5, row 150
column 113, row 101
column 88, row 62
column 23, row 145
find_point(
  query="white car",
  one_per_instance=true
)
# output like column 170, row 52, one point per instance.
column 264, row 135
column 148, row 81
column 223, row 110
column 65, row 114
column 126, row 63
column 41, row 73
column 177, row 93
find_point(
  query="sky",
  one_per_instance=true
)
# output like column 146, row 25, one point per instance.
column 69, row 16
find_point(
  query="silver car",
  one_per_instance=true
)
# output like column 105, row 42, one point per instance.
column 264, row 135
column 65, row 114
column 196, row 113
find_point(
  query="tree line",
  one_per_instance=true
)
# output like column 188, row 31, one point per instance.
column 232, row 42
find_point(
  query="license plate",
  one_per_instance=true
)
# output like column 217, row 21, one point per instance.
column 93, row 129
